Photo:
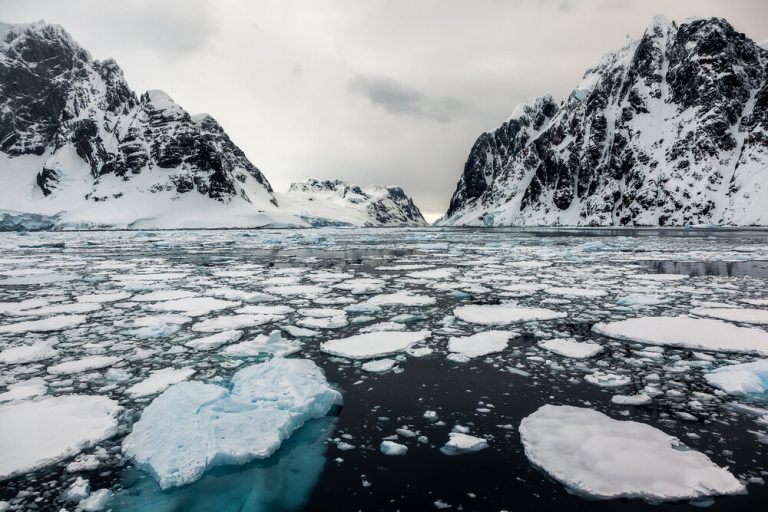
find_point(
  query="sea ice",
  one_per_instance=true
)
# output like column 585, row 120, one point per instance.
column 460, row 442
column 82, row 365
column 34, row 434
column 159, row 380
column 214, row 340
column 193, row 426
column 274, row 344
column 747, row 316
column 193, row 306
column 374, row 344
column 393, row 448
column 575, row 292
column 401, row 299
column 231, row 322
column 569, row 347
column 687, row 332
column 607, row 380
column 740, row 379
column 481, row 344
column 53, row 323
column 37, row 351
column 501, row 314
column 24, row 389
column 377, row 366
column 600, row 457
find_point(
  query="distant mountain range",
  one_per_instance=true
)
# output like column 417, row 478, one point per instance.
column 670, row 130
column 80, row 149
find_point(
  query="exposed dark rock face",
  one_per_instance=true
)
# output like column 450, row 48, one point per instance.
column 670, row 130
column 60, row 104
column 376, row 205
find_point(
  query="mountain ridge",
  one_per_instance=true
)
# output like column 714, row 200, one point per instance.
column 671, row 129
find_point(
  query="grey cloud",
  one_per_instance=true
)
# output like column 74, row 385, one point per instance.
column 399, row 99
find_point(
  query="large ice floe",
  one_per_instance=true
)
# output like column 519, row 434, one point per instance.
column 374, row 344
column 34, row 434
column 480, row 344
column 569, row 347
column 599, row 457
column 502, row 314
column 193, row 426
column 687, row 332
column 740, row 379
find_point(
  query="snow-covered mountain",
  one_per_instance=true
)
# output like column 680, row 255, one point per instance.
column 672, row 129
column 335, row 202
column 80, row 149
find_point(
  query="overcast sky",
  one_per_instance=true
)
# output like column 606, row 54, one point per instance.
column 369, row 91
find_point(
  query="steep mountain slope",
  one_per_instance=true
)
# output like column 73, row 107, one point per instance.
column 75, row 138
column 672, row 129
column 334, row 202
column 79, row 149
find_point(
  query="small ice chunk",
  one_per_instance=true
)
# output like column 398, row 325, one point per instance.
column 600, row 457
column 459, row 443
column 96, row 502
column 393, row 448
column 639, row 399
column 379, row 365
column 79, row 490
column 740, row 379
column 607, row 380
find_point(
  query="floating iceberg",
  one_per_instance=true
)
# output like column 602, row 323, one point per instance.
column 194, row 426
column 600, row 457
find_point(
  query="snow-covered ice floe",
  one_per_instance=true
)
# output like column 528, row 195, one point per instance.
column 599, row 457
column 502, row 314
column 569, row 347
column 194, row 426
column 159, row 380
column 34, row 434
column 740, row 379
column 747, row 316
column 374, row 344
column 480, row 344
column 687, row 332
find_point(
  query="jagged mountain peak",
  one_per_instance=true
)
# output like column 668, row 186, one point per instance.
column 369, row 205
column 670, row 129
